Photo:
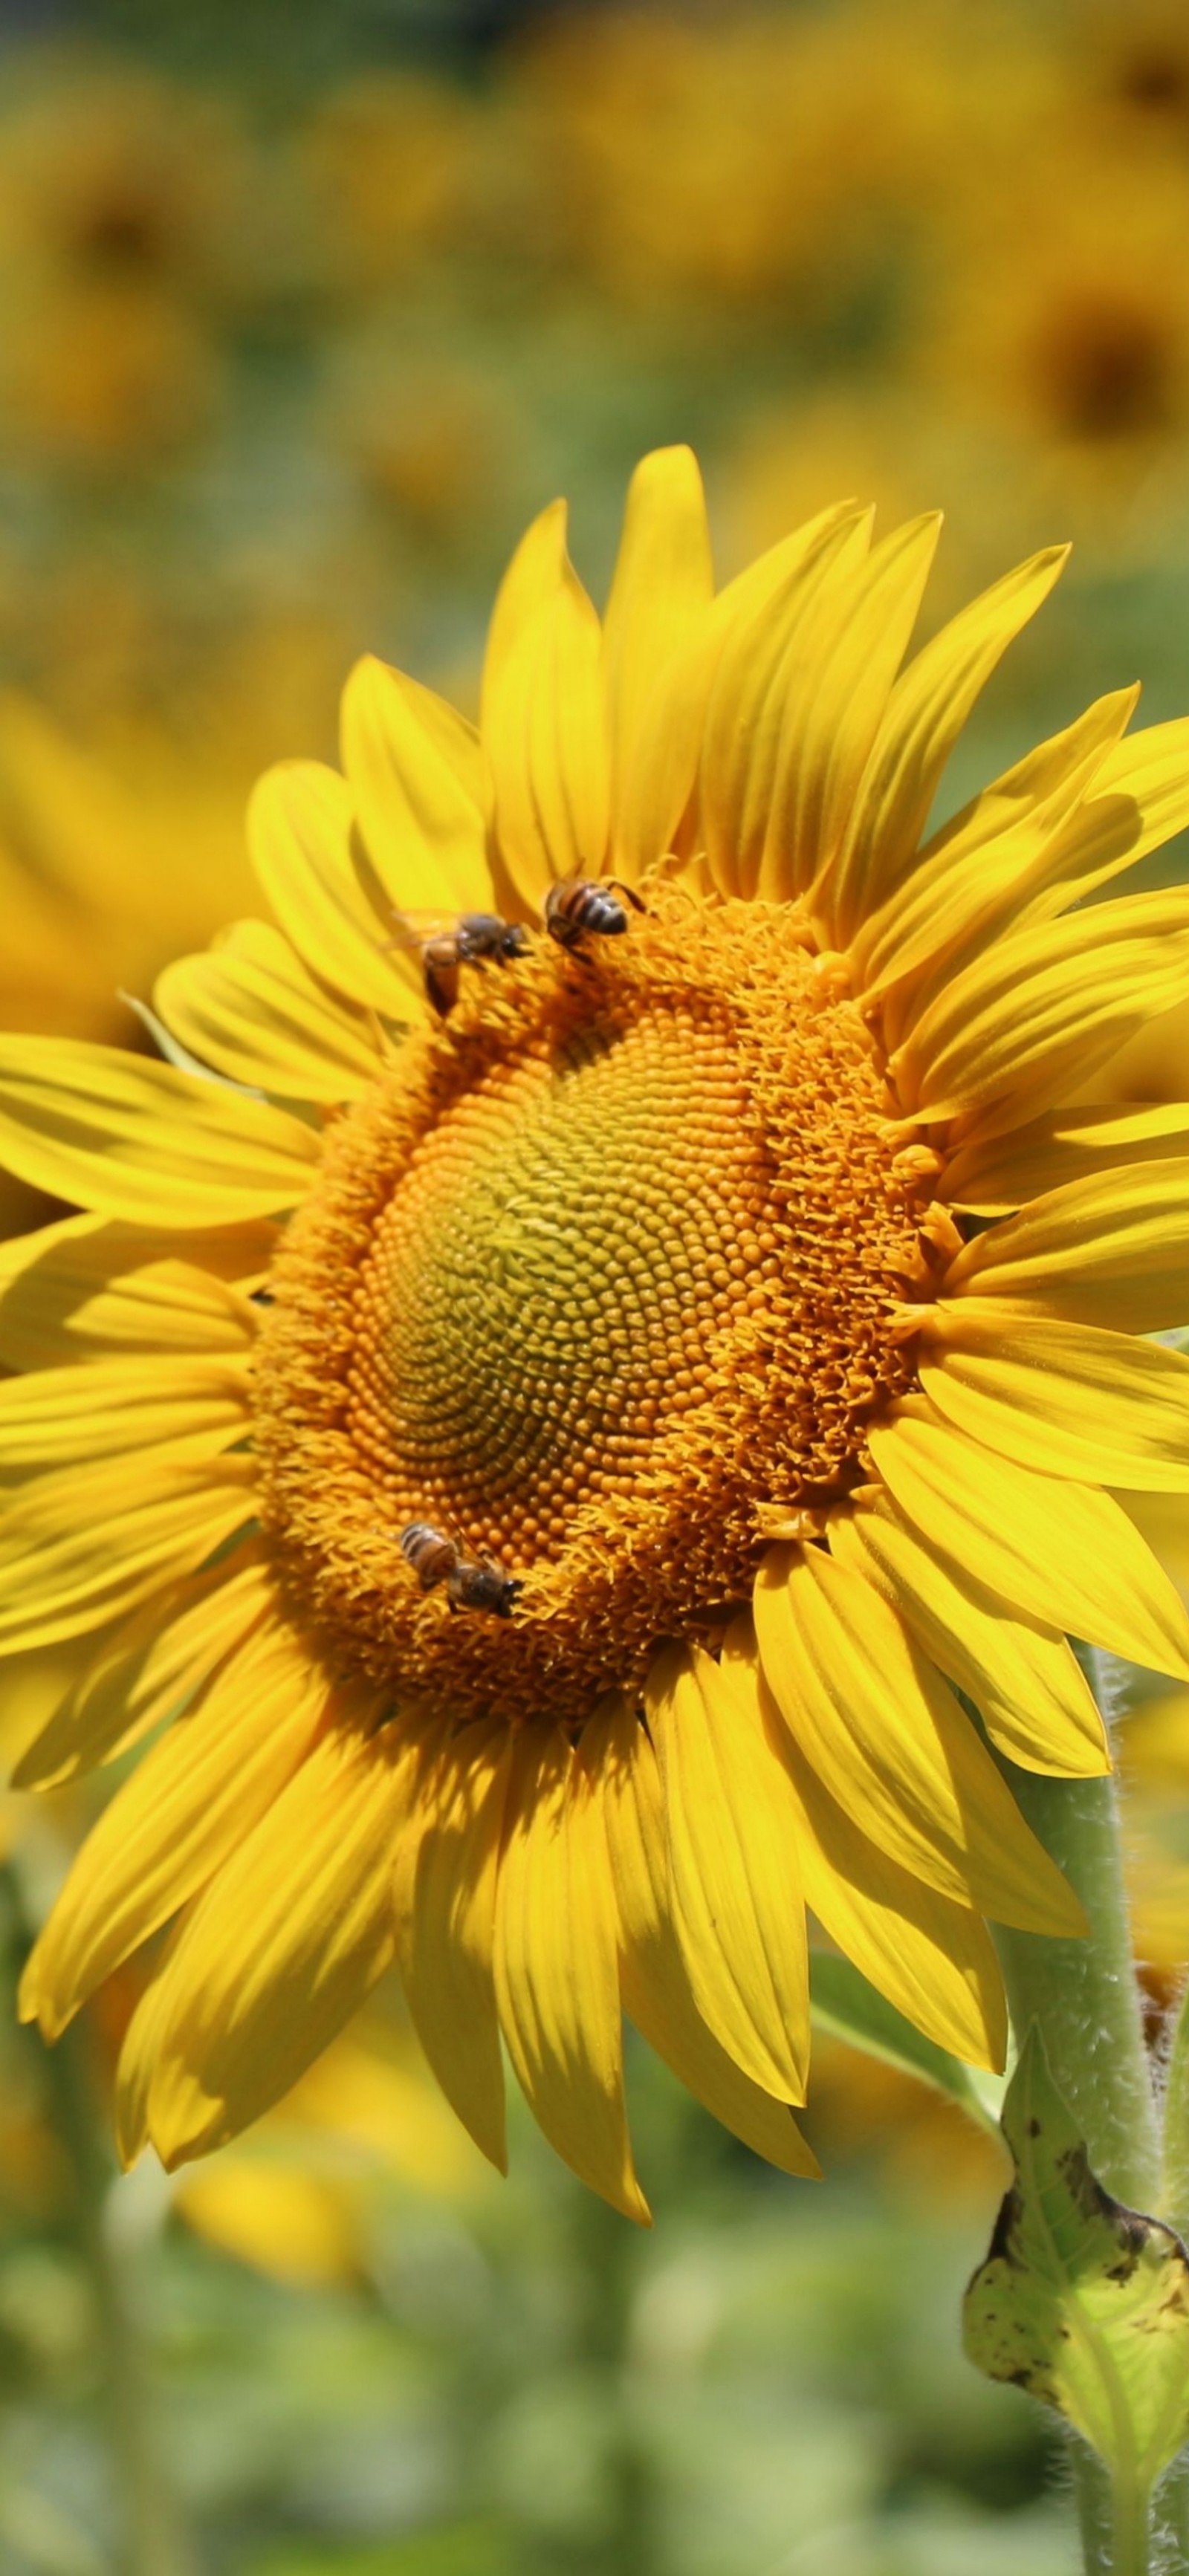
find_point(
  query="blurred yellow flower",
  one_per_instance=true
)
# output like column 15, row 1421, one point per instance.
column 1058, row 311
column 433, row 438
column 110, row 170
column 1129, row 71
column 104, row 868
column 122, row 234
column 768, row 155
column 102, row 374
column 388, row 161
column 720, row 158
column 928, row 2151
column 866, row 435
column 1153, row 1745
column 297, row 2196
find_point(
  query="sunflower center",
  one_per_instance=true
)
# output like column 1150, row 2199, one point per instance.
column 599, row 1281
column 553, row 1278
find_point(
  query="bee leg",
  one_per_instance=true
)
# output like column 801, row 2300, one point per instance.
column 633, row 898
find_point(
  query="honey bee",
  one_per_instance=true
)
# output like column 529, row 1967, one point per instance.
column 474, row 939
column 430, row 1553
column 471, row 1584
column 578, row 907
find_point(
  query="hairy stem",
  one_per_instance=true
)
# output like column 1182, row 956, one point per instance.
column 1085, row 1996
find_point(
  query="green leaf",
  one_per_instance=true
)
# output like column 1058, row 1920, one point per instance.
column 1082, row 2301
column 846, row 2006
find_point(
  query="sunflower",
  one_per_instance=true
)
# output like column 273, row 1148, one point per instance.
column 725, row 1283
column 1058, row 319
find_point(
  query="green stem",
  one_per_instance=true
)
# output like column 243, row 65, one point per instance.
column 1085, row 1996
column 1084, row 1993
column 1131, row 2524
column 1095, row 2511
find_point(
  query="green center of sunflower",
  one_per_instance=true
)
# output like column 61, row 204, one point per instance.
column 599, row 1280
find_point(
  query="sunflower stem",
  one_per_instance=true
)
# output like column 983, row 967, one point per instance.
column 1085, row 1995
column 1131, row 2525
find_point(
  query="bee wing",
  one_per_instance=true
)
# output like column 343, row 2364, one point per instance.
column 414, row 930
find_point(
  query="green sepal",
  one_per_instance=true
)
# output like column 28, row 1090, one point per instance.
column 848, row 2007
column 1082, row 2301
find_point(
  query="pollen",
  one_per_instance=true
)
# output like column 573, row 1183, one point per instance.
column 606, row 1277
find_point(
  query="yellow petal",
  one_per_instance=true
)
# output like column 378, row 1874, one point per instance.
column 252, row 1010
column 1066, row 1145
column 556, row 1968
column 656, row 1991
column 85, row 1290
column 770, row 645
column 926, row 712
column 998, row 810
column 134, row 1139
column 959, row 894
column 663, row 814
column 1044, row 1009
column 301, row 821
column 284, row 1945
column 1112, row 1250
column 32, row 1689
column 1062, row 1553
column 841, row 706
column 531, row 582
column 1141, row 797
column 545, row 739
column 734, row 1876
column 663, row 583
column 414, row 770
column 1063, row 1398
column 1022, row 1675
column 190, row 1407
column 90, row 1544
column 176, row 1820
column 148, row 1668
column 445, row 1888
column 888, row 1740
column 138, row 2056
column 932, row 1958
column 838, row 686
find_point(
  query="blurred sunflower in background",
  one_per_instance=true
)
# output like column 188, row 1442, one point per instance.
column 123, row 199
column 637, row 1277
